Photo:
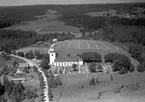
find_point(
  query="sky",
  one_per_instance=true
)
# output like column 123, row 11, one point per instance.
column 32, row 2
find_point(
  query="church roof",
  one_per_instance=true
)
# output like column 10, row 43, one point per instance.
column 67, row 59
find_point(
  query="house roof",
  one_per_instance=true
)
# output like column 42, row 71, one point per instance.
column 67, row 59
column 18, row 77
column 22, row 65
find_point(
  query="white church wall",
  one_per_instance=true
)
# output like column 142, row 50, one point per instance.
column 80, row 62
column 65, row 64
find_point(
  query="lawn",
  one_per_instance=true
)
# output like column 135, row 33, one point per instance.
column 17, row 60
column 75, row 47
column 103, row 92
column 40, row 49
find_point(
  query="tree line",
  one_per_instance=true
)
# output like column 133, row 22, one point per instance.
column 15, row 39
column 94, row 23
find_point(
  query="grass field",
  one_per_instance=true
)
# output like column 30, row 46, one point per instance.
column 45, row 24
column 102, row 92
column 40, row 49
column 75, row 47
column 17, row 59
column 95, row 14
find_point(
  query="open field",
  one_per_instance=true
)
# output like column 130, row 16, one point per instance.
column 75, row 47
column 95, row 14
column 3, row 61
column 40, row 49
column 102, row 92
column 45, row 24
column 18, row 60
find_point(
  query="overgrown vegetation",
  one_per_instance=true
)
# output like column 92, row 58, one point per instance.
column 14, row 92
column 120, row 62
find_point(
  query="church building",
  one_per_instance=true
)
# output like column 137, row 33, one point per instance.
column 63, row 61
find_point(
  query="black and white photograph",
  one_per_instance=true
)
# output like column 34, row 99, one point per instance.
column 72, row 50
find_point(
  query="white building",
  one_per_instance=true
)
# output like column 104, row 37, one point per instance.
column 63, row 61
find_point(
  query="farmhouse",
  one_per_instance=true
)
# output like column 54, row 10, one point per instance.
column 20, row 78
column 21, row 67
column 65, row 61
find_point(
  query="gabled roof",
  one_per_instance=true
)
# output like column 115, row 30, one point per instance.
column 67, row 59
column 22, row 65
column 22, row 77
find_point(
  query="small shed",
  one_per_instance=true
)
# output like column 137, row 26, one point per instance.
column 54, row 40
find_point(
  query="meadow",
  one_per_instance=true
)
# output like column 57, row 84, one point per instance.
column 46, row 23
column 129, row 90
column 77, row 47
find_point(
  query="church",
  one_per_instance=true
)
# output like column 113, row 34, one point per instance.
column 66, row 61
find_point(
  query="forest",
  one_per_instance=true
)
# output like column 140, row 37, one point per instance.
column 12, row 15
column 15, row 39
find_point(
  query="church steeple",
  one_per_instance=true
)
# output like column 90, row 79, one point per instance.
column 52, row 55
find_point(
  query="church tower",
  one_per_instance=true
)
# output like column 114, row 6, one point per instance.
column 52, row 55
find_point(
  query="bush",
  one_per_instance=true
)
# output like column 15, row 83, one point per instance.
column 74, row 66
column 117, row 65
column 20, row 54
column 57, row 55
column 58, row 80
column 92, row 81
column 7, row 57
column 82, row 86
column 123, row 71
column 60, row 71
column 132, row 67
column 135, row 51
column 99, row 68
column 38, row 55
column 97, row 81
column 68, row 54
column 111, row 77
column 141, row 59
column 141, row 67
column 6, row 70
column 92, row 67
column 29, row 55
column 44, row 64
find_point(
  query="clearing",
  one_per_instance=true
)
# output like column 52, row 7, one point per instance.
column 75, row 47
column 45, row 24
column 131, row 89
column 40, row 49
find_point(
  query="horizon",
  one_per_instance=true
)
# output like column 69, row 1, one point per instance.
column 4, row 3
